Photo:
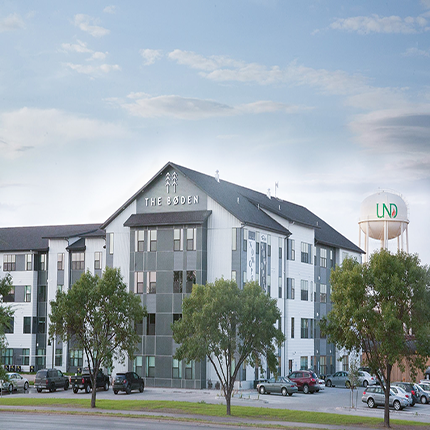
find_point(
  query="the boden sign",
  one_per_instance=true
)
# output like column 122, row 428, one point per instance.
column 387, row 209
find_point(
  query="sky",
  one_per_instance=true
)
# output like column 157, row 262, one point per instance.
column 330, row 99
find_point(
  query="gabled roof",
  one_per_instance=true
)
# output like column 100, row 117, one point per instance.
column 167, row 218
column 36, row 238
column 250, row 208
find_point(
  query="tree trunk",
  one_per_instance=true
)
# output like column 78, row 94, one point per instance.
column 387, row 396
column 228, row 401
column 94, row 390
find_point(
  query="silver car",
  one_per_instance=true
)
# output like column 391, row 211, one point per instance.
column 423, row 392
column 15, row 382
column 278, row 385
column 399, row 391
column 374, row 396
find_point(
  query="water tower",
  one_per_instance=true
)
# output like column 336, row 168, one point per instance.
column 384, row 216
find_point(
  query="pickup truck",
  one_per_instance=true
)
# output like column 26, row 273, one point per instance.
column 83, row 381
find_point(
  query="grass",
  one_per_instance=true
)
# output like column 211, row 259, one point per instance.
column 207, row 409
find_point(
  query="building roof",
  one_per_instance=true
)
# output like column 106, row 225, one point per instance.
column 36, row 238
column 167, row 218
column 250, row 208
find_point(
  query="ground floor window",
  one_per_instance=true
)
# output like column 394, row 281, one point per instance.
column 323, row 365
column 303, row 363
column 41, row 357
column 26, row 356
column 7, row 356
column 150, row 367
column 138, row 365
column 59, row 356
column 345, row 363
column 176, row 369
column 189, row 370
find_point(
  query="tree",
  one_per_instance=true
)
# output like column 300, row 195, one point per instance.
column 99, row 315
column 229, row 326
column 382, row 308
column 354, row 380
column 6, row 313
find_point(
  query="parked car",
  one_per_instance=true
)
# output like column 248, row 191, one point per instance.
column 366, row 378
column 374, row 396
column 278, row 385
column 7, row 386
column 17, row 381
column 128, row 381
column 399, row 391
column 306, row 381
column 423, row 392
column 50, row 379
column 409, row 388
column 338, row 379
column 83, row 381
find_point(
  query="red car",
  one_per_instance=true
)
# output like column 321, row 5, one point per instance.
column 306, row 381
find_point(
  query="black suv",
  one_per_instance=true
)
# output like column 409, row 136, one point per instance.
column 50, row 379
column 128, row 381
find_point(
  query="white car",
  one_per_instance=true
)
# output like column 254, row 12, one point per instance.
column 15, row 382
column 399, row 391
column 366, row 378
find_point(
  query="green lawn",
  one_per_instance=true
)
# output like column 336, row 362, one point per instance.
column 207, row 409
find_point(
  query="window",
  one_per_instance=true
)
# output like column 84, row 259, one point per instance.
column 269, row 246
column 150, row 366
column 150, row 325
column 138, row 365
column 306, row 254
column 41, row 293
column 26, row 356
column 280, row 288
column 42, row 265
column 177, row 317
column 245, row 278
column 76, row 358
column 292, row 328
column 7, row 356
column 191, row 280
column 58, row 356
column 40, row 357
column 41, row 325
column 27, row 293
column 60, row 288
column 345, row 363
column 245, row 242
column 234, row 239
column 323, row 365
column 138, row 282
column 189, row 370
column 323, row 257
column 11, row 296
column 78, row 261
column 304, row 328
column 97, row 260
column 9, row 263
column 152, row 240
column 177, row 239
column 27, row 325
column 151, row 283
column 290, row 288
column 234, row 275
column 176, row 369
column 60, row 261
column 177, row 281
column 111, row 243
column 191, row 239
column 291, row 251
column 28, row 261
column 303, row 363
column 9, row 326
column 323, row 293
column 304, row 286
column 140, row 240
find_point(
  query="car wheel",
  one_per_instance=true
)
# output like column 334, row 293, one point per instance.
column 328, row 383
column 52, row 388
column 365, row 384
column 87, row 388
column 397, row 405
column 348, row 384
column 66, row 386
column 128, row 390
column 262, row 390
column 75, row 390
column 26, row 386
column 115, row 391
column 39, row 390
column 284, row 391
column 413, row 403
column 371, row 403
column 141, row 388
column 423, row 400
column 106, row 388
column 306, row 389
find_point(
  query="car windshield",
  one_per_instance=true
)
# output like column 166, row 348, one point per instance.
column 41, row 374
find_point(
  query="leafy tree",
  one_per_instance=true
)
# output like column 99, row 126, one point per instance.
column 99, row 315
column 6, row 314
column 382, row 308
column 229, row 326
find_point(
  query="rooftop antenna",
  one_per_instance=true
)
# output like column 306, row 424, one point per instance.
column 276, row 186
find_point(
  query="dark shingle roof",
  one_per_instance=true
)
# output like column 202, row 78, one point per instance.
column 36, row 238
column 168, row 218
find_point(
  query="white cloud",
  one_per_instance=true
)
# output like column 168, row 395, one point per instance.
column 80, row 47
column 11, row 22
column 196, row 61
column 150, row 55
column 102, row 69
column 377, row 24
column 98, row 56
column 173, row 106
column 110, row 9
column 28, row 128
column 415, row 52
column 84, row 23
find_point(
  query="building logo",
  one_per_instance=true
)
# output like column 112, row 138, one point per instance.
column 390, row 210
column 171, row 181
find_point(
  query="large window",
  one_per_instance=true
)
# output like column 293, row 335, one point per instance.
column 151, row 283
column 191, row 280
column 97, row 260
column 303, row 363
column 27, row 325
column 152, row 243
column 323, row 293
column 58, row 356
column 306, row 254
column 26, row 356
column 78, row 261
column 9, row 326
column 279, row 288
column 140, row 240
column 138, row 282
column 111, row 243
column 345, row 363
column 41, row 325
column 291, row 249
column 323, row 365
column 304, row 287
column 76, row 358
column 60, row 261
column 292, row 327
column 177, row 281
column 9, row 263
column 28, row 261
column 42, row 263
column 27, row 293
column 150, row 325
column 189, row 370
column 150, row 366
column 290, row 288
column 191, row 239
column 177, row 239
column 176, row 369
column 7, row 356
column 40, row 357
column 323, row 257
column 304, row 333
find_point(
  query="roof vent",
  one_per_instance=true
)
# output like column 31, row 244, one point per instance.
column 217, row 175
column 238, row 200
column 268, row 193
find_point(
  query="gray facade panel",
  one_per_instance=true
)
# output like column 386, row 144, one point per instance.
column 75, row 275
column 20, row 262
column 19, row 293
column 150, row 261
column 165, row 239
column 165, row 260
column 165, row 282
column 60, row 277
column 149, row 344
column 163, row 367
column 163, row 324
column 177, row 303
column 151, row 301
column 191, row 260
column 164, row 347
column 164, row 304
column 42, row 277
column 138, row 261
column 178, row 260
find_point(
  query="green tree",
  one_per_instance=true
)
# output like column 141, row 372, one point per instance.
column 6, row 313
column 381, row 308
column 229, row 326
column 354, row 380
column 99, row 315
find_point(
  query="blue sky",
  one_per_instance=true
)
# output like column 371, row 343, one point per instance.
column 331, row 99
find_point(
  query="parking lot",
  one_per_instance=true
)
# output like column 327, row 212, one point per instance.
column 331, row 400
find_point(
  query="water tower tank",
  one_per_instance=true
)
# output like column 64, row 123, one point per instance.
column 384, row 216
